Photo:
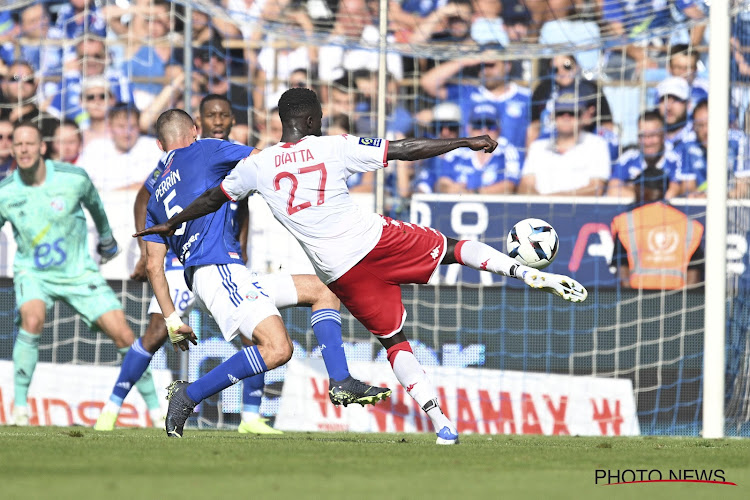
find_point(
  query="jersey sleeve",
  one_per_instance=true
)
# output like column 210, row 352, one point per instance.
column 363, row 154
column 241, row 181
column 156, row 238
column 150, row 183
column 225, row 155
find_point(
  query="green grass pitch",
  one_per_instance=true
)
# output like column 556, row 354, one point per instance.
column 79, row 463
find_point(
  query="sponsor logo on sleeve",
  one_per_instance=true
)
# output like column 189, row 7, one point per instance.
column 370, row 141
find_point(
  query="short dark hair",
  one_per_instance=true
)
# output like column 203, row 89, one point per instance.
column 214, row 97
column 651, row 115
column 28, row 124
column 297, row 103
column 703, row 103
column 652, row 178
column 169, row 125
column 67, row 122
column 124, row 108
column 683, row 48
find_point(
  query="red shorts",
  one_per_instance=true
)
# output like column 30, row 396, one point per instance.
column 371, row 291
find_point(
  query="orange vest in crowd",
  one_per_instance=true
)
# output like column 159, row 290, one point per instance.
column 659, row 240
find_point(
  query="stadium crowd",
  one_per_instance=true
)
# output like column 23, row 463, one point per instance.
column 95, row 75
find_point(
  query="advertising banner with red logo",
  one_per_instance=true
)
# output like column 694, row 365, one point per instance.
column 65, row 395
column 478, row 401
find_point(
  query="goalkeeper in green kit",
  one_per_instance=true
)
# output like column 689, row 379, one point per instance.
column 43, row 201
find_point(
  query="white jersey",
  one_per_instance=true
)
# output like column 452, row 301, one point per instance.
column 304, row 184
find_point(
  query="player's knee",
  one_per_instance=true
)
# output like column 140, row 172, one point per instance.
column 278, row 353
column 32, row 323
column 325, row 298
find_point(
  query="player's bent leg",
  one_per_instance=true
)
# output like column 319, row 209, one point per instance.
column 252, row 396
column 272, row 348
column 26, row 355
column 343, row 389
column 413, row 378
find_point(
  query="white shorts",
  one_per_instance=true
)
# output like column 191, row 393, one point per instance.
column 240, row 299
column 182, row 298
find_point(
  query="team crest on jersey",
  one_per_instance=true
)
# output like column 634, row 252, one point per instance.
column 57, row 205
column 370, row 141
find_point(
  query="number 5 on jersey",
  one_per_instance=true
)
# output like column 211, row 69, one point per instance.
column 291, row 208
column 172, row 211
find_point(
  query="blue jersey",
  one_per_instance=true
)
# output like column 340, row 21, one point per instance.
column 171, row 261
column 631, row 163
column 73, row 26
column 461, row 165
column 694, row 159
column 66, row 101
column 185, row 174
column 514, row 108
column 639, row 16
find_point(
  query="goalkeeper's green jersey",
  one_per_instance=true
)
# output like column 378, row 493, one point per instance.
column 49, row 225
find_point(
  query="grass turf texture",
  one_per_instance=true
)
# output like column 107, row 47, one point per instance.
column 50, row 462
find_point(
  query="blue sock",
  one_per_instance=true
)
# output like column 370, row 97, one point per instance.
column 326, row 324
column 252, row 392
column 134, row 364
column 245, row 363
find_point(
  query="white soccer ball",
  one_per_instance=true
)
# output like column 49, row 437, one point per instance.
column 533, row 243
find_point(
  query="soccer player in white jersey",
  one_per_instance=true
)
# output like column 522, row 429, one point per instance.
column 216, row 122
column 362, row 257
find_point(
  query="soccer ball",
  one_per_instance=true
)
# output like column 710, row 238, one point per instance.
column 533, row 243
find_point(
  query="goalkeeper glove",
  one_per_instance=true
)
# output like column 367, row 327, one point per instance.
column 108, row 249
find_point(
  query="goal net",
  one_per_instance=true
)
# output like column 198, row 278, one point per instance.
column 443, row 61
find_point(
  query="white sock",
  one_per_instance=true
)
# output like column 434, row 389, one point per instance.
column 412, row 377
column 248, row 416
column 111, row 407
column 482, row 257
column 157, row 417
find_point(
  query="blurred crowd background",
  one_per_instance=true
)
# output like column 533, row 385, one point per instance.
column 581, row 94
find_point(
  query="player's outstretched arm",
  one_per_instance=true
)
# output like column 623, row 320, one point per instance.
column 412, row 149
column 210, row 201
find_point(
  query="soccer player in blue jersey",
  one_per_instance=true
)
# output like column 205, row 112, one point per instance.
column 240, row 301
column 44, row 201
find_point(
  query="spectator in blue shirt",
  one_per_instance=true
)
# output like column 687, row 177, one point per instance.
column 466, row 171
column 674, row 93
column 91, row 62
column 445, row 124
column 651, row 152
column 693, row 173
column 513, row 102
column 79, row 17
column 35, row 27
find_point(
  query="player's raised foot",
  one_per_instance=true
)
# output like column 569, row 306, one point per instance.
column 180, row 408
column 562, row 286
column 257, row 426
column 106, row 421
column 447, row 436
column 351, row 390
column 21, row 416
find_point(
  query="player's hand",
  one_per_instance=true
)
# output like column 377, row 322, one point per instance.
column 107, row 249
column 163, row 229
column 181, row 337
column 139, row 272
column 482, row 142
